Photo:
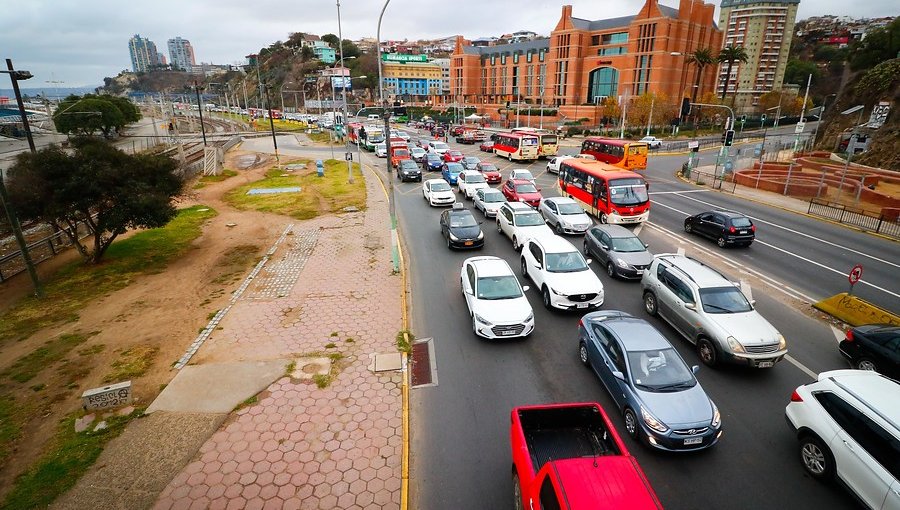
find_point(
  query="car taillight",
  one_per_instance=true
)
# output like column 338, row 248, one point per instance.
column 732, row 230
column 849, row 335
column 795, row 397
column 753, row 228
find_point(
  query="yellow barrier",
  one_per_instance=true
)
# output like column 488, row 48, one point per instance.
column 855, row 311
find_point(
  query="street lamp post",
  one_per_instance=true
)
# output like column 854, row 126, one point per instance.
column 395, row 253
column 850, row 145
column 272, row 125
column 197, row 89
column 15, row 76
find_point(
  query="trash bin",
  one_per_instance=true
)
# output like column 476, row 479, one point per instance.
column 320, row 168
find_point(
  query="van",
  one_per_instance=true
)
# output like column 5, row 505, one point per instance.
column 374, row 116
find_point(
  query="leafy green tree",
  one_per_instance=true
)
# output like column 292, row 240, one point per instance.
column 97, row 185
column 879, row 45
column 700, row 58
column 730, row 55
column 350, row 49
column 797, row 71
column 128, row 109
column 331, row 39
column 87, row 115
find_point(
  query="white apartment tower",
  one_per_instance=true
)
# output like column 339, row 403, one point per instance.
column 181, row 54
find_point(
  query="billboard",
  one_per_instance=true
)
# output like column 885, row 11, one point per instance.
column 403, row 57
column 341, row 82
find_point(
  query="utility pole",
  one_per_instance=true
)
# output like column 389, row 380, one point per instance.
column 200, row 110
column 344, row 82
column 272, row 127
column 395, row 242
column 650, row 118
column 624, row 109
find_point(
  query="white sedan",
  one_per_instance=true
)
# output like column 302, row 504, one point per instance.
column 488, row 201
column 562, row 274
column 497, row 304
column 381, row 150
column 651, row 141
column 469, row 182
column 438, row 192
column 553, row 164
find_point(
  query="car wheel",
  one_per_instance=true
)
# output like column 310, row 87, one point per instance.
column 631, row 424
column 524, row 268
column 866, row 364
column 587, row 252
column 559, row 230
column 611, row 270
column 603, row 218
column 583, row 354
column 546, row 298
column 688, row 227
column 517, row 493
column 499, row 230
column 706, row 351
column 449, row 245
column 816, row 458
column 510, row 157
column 516, row 244
column 721, row 242
column 474, row 326
column 650, row 304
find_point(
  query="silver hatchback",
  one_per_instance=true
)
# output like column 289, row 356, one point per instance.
column 710, row 311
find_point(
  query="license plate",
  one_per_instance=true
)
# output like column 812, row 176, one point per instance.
column 693, row 440
column 639, row 271
column 468, row 243
column 743, row 231
column 507, row 333
column 766, row 364
column 581, row 305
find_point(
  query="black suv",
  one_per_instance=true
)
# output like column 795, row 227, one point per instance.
column 408, row 170
column 724, row 227
column 873, row 347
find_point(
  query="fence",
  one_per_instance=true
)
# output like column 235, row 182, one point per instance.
column 710, row 179
column 856, row 217
column 41, row 250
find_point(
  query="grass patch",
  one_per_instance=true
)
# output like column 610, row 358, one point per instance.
column 290, row 367
column 322, row 380
column 330, row 345
column 94, row 349
column 349, row 340
column 404, row 341
column 28, row 366
column 210, row 316
column 133, row 363
column 333, row 333
column 325, row 137
column 67, row 457
column 209, row 179
column 78, row 285
column 246, row 403
column 280, row 125
column 235, row 262
column 10, row 425
column 318, row 195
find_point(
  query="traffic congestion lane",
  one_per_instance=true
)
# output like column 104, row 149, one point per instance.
column 551, row 372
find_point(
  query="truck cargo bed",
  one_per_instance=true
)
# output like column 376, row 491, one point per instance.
column 565, row 433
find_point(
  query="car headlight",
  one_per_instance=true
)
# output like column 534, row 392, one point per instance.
column 782, row 343
column 717, row 418
column 480, row 235
column 734, row 344
column 482, row 320
column 453, row 237
column 554, row 291
column 614, row 213
column 622, row 263
column 530, row 317
column 652, row 422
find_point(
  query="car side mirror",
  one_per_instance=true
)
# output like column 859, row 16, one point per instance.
column 646, row 245
column 588, row 261
column 618, row 375
column 690, row 306
column 538, row 189
column 470, row 292
column 604, row 246
column 525, row 288
column 695, row 369
column 752, row 302
column 480, row 222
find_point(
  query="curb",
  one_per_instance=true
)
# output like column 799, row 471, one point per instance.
column 855, row 311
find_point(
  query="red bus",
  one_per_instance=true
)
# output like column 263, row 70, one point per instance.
column 621, row 153
column 516, row 146
column 611, row 194
column 353, row 132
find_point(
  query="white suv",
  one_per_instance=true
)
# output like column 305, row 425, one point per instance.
column 469, row 182
column 848, row 424
column 520, row 222
column 710, row 311
column 497, row 303
column 562, row 274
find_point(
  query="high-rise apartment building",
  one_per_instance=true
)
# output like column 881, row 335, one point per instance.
column 765, row 29
column 181, row 53
column 143, row 54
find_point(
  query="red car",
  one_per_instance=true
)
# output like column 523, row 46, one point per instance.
column 453, row 156
column 522, row 190
column 487, row 146
column 489, row 171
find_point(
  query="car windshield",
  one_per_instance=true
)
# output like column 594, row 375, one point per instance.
column 523, row 175
column 724, row 300
column 472, row 161
column 628, row 192
column 498, row 287
column 418, row 150
column 493, row 197
column 474, row 178
column 525, row 188
column 488, row 168
column 462, row 220
column 570, row 209
column 454, row 168
column 627, row 244
column 569, row 262
column 433, row 157
column 409, row 164
column 440, row 186
column 401, row 152
column 660, row 370
column 439, row 146
column 529, row 219
column 740, row 222
column 455, row 153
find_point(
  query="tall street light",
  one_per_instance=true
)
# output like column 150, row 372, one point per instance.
column 268, row 87
column 344, row 82
column 15, row 76
column 395, row 251
column 197, row 88
column 850, row 145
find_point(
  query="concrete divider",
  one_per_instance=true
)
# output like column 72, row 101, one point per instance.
column 856, row 311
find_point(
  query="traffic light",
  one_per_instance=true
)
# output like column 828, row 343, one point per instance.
column 507, row 104
column 762, row 119
column 728, row 138
column 685, row 106
column 743, row 119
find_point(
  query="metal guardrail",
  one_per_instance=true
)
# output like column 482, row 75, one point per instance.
column 856, row 217
column 712, row 180
column 40, row 250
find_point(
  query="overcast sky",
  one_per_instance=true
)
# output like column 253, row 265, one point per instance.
column 78, row 42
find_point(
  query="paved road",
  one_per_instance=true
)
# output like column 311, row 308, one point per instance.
column 460, row 449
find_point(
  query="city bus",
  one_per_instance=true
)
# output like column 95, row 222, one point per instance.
column 548, row 141
column 611, row 194
column 374, row 136
column 516, row 146
column 354, row 132
column 620, row 153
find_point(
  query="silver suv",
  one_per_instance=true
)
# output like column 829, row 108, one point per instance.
column 710, row 311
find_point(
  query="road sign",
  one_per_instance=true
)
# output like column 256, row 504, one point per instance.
column 693, row 144
column 855, row 274
column 799, row 127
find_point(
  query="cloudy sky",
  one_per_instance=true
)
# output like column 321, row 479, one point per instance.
column 78, row 42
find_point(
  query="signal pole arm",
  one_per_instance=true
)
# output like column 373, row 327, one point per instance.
column 730, row 111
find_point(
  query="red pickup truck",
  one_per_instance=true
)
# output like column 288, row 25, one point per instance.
column 569, row 457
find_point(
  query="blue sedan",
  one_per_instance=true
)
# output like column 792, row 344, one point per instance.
column 450, row 172
column 661, row 400
column 432, row 162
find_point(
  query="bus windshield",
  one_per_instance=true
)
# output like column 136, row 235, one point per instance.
column 628, row 192
column 548, row 139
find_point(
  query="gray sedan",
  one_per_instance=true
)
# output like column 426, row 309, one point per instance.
column 488, row 201
column 662, row 402
column 565, row 215
column 470, row 162
column 619, row 250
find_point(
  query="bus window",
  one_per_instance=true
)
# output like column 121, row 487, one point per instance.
column 636, row 149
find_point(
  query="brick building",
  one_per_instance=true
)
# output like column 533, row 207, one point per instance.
column 584, row 61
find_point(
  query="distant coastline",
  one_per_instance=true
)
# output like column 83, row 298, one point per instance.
column 48, row 92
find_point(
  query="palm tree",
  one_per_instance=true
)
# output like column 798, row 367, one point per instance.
column 701, row 58
column 729, row 55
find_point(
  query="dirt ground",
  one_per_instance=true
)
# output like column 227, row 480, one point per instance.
column 163, row 311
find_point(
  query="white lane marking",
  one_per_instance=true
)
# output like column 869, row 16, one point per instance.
column 807, row 235
column 838, row 334
column 637, row 229
column 681, row 251
column 679, row 192
column 746, row 289
column 797, row 256
column 793, row 361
